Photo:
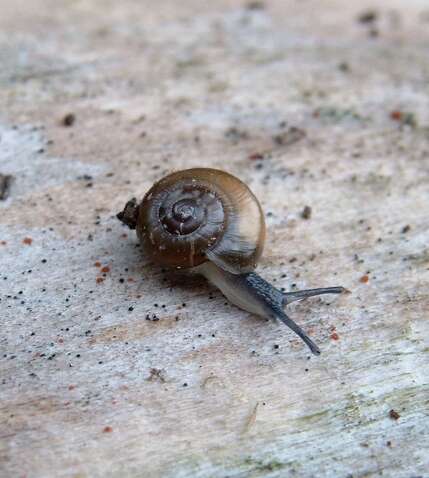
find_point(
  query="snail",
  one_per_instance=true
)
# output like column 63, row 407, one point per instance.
column 209, row 222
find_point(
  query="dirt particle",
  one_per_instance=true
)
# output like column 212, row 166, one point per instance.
column 405, row 118
column 396, row 115
column 255, row 5
column 256, row 157
column 291, row 136
column 156, row 374
column 68, row 120
column 394, row 415
column 344, row 67
column 235, row 135
column 5, row 183
column 71, row 387
column 27, row 241
column 405, row 229
column 368, row 16
column 306, row 212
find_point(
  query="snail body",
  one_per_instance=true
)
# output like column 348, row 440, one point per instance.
column 208, row 221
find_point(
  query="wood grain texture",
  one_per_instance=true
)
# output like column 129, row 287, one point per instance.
column 310, row 107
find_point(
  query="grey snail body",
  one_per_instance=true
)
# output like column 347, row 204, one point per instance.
column 208, row 221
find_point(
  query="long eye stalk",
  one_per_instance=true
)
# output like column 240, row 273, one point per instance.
column 254, row 294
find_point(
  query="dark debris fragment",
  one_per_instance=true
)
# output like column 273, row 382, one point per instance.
column 306, row 212
column 5, row 183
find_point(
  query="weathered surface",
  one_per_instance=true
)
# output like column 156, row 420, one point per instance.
column 340, row 117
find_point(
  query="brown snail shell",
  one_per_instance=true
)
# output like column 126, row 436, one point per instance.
column 209, row 221
column 198, row 215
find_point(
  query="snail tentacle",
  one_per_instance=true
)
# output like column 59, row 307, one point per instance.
column 289, row 297
column 253, row 293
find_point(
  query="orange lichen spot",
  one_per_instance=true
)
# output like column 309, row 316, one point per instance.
column 256, row 156
column 105, row 269
column 335, row 336
column 27, row 241
column 99, row 280
column 107, row 429
column 97, row 264
column 396, row 115
column 364, row 279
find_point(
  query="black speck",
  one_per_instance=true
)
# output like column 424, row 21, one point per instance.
column 306, row 212
column 68, row 120
column 368, row 16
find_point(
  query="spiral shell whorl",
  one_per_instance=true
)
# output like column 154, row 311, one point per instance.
column 201, row 214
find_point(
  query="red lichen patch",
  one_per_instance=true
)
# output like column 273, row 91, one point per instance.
column 60, row 341
column 107, row 429
column 394, row 415
column 256, row 156
column 72, row 387
column 130, row 279
column 99, row 280
column 364, row 279
column 335, row 336
column 396, row 115
column 27, row 241
column 97, row 264
column 105, row 269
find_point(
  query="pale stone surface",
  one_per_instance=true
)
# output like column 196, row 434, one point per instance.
column 89, row 388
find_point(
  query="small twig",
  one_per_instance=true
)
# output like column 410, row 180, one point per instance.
column 5, row 182
column 252, row 419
